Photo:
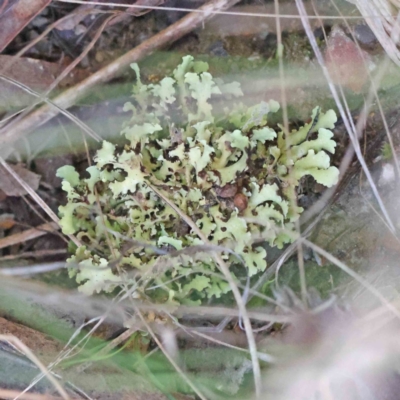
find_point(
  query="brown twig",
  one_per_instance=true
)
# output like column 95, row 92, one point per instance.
column 12, row 394
column 235, row 290
column 49, row 102
column 170, row 359
column 32, row 254
column 348, row 124
column 19, row 128
column 55, row 24
column 29, row 234
column 71, row 66
column 36, row 197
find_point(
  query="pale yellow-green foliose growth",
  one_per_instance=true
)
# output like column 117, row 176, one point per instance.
column 230, row 172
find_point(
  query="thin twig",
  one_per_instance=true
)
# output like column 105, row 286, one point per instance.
column 29, row 234
column 52, row 105
column 220, row 12
column 168, row 356
column 235, row 290
column 28, row 353
column 12, row 394
column 33, row 254
column 353, row 274
column 351, row 132
column 36, row 197
column 17, row 129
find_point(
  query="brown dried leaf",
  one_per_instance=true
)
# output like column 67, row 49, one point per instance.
column 79, row 14
column 7, row 221
column 11, row 187
column 37, row 74
column 229, row 190
column 15, row 15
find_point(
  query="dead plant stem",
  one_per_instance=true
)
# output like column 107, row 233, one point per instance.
column 235, row 290
column 13, row 131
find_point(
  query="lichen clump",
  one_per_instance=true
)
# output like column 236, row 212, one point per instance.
column 233, row 175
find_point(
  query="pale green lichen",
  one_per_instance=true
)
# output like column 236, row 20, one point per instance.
column 227, row 172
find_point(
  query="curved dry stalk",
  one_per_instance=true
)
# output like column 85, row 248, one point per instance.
column 68, row 352
column 68, row 98
column 219, row 12
column 353, row 274
column 28, row 353
column 8, row 394
column 32, row 43
column 28, row 234
column 348, row 124
column 168, row 356
column 52, row 105
column 235, row 290
column 262, row 356
column 36, row 197
column 385, row 26
column 67, row 70
column 372, row 93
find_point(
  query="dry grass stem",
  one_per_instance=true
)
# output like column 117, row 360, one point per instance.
column 24, row 349
column 347, row 122
column 55, row 24
column 71, row 66
column 68, row 98
column 354, row 275
column 33, row 254
column 218, row 12
column 13, row 394
column 170, row 359
column 235, row 290
column 51, row 104
column 36, row 197
column 32, row 269
column 29, row 234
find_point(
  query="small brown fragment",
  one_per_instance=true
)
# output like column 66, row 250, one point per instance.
column 240, row 201
column 7, row 221
column 11, row 187
column 47, row 168
column 229, row 190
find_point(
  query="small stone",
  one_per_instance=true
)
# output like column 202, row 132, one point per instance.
column 388, row 175
column 99, row 57
column 365, row 36
column 348, row 65
column 319, row 34
column 39, row 21
column 240, row 201
column 80, row 29
column 217, row 49
column 229, row 190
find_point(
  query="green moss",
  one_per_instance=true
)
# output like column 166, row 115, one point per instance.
column 386, row 152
